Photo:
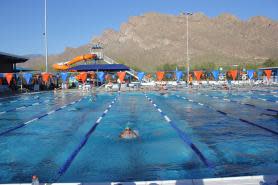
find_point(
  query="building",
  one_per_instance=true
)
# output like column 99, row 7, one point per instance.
column 8, row 62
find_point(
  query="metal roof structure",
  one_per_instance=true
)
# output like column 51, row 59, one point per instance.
column 100, row 67
column 263, row 68
column 11, row 58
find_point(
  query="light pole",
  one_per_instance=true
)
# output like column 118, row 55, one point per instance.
column 187, row 46
column 45, row 35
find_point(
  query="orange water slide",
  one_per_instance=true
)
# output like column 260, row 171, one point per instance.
column 67, row 65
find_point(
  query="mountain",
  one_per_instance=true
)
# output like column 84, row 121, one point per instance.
column 30, row 56
column 155, row 39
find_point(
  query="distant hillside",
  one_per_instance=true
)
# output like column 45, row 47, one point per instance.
column 154, row 39
column 30, row 56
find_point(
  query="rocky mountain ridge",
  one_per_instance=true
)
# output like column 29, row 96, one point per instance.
column 154, row 39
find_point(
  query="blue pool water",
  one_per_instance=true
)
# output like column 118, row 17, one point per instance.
column 44, row 146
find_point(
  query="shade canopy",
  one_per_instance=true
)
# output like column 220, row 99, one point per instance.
column 100, row 67
column 10, row 58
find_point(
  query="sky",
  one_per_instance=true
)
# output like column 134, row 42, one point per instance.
column 72, row 23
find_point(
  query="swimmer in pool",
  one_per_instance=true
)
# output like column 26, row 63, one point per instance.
column 128, row 134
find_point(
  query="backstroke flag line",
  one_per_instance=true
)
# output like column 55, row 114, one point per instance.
column 100, row 76
column 179, row 75
column 198, row 74
column 121, row 76
column 64, row 76
column 268, row 73
column 140, row 75
column 233, row 73
column 250, row 74
column 215, row 74
column 160, row 75
column 27, row 77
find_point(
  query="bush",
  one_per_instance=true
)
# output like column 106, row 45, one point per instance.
column 271, row 63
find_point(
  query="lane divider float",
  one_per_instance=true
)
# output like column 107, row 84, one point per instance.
column 83, row 142
column 22, row 95
column 239, row 102
column 37, row 118
column 231, row 116
column 28, row 105
column 182, row 135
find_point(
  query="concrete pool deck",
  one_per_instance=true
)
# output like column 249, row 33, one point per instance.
column 243, row 180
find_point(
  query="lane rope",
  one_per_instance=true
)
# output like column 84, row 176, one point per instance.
column 230, row 115
column 83, row 142
column 3, row 98
column 182, row 135
column 39, row 117
column 30, row 105
column 241, row 103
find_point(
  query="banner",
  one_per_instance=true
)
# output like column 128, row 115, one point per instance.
column 159, row 75
column 121, row 76
column 149, row 76
column 168, row 75
column 83, row 76
column 9, row 77
column 215, row 74
column 45, row 77
column 64, row 76
column 250, row 74
column 16, row 75
column 140, row 75
column 27, row 77
column 100, row 76
column 92, row 75
column 198, row 74
column 268, row 73
column 179, row 75
column 108, row 77
column 260, row 73
column 234, row 74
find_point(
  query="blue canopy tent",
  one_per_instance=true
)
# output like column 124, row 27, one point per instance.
column 100, row 67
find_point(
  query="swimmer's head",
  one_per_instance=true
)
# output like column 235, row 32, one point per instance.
column 128, row 129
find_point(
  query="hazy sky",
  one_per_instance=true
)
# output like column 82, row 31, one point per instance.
column 74, row 22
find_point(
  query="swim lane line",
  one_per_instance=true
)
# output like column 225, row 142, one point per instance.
column 181, row 134
column 39, row 117
column 83, row 142
column 228, row 115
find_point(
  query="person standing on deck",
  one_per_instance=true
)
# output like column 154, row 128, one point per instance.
column 119, row 84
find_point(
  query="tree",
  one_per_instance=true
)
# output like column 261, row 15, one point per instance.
column 271, row 63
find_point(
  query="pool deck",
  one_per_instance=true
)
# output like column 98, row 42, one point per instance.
column 244, row 180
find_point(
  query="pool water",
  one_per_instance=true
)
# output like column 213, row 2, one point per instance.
column 232, row 147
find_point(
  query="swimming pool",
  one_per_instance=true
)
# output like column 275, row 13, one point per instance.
column 68, row 137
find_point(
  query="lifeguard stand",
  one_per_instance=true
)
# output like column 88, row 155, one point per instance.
column 97, row 49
